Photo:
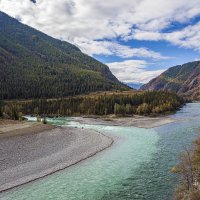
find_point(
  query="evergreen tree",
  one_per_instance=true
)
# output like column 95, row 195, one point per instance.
column 142, row 103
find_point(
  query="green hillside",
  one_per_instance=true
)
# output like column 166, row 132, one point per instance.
column 34, row 65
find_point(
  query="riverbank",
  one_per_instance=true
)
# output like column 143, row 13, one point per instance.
column 30, row 151
column 136, row 121
column 189, row 170
column 10, row 128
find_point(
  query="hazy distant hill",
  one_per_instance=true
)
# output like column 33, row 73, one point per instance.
column 134, row 85
column 34, row 65
column 182, row 79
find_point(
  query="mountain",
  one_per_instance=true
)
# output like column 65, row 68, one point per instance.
column 35, row 65
column 182, row 79
column 135, row 85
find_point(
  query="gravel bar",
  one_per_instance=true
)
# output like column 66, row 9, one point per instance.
column 27, row 157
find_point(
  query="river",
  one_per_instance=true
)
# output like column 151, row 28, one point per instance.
column 136, row 167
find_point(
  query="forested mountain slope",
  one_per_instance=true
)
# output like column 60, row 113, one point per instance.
column 34, row 65
column 182, row 79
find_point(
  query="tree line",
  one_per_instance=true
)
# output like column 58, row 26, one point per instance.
column 120, row 104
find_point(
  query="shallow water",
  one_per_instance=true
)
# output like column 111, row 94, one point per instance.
column 137, row 166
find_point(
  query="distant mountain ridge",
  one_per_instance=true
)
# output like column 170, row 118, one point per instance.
column 35, row 65
column 134, row 85
column 182, row 79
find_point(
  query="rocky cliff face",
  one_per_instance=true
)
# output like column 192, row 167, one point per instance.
column 182, row 79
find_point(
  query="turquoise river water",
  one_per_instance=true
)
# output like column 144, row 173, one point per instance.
column 136, row 167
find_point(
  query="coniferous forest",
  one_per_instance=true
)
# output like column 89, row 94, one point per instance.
column 35, row 65
column 121, row 104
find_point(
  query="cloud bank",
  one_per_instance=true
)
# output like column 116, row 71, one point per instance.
column 80, row 21
column 136, row 70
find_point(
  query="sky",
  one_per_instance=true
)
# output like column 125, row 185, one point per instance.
column 137, row 39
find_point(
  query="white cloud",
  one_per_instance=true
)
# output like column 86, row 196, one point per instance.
column 114, row 48
column 133, row 71
column 188, row 37
column 80, row 21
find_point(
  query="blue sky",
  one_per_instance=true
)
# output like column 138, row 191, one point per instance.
column 177, row 54
column 137, row 39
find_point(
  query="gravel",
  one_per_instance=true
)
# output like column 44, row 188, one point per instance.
column 27, row 157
